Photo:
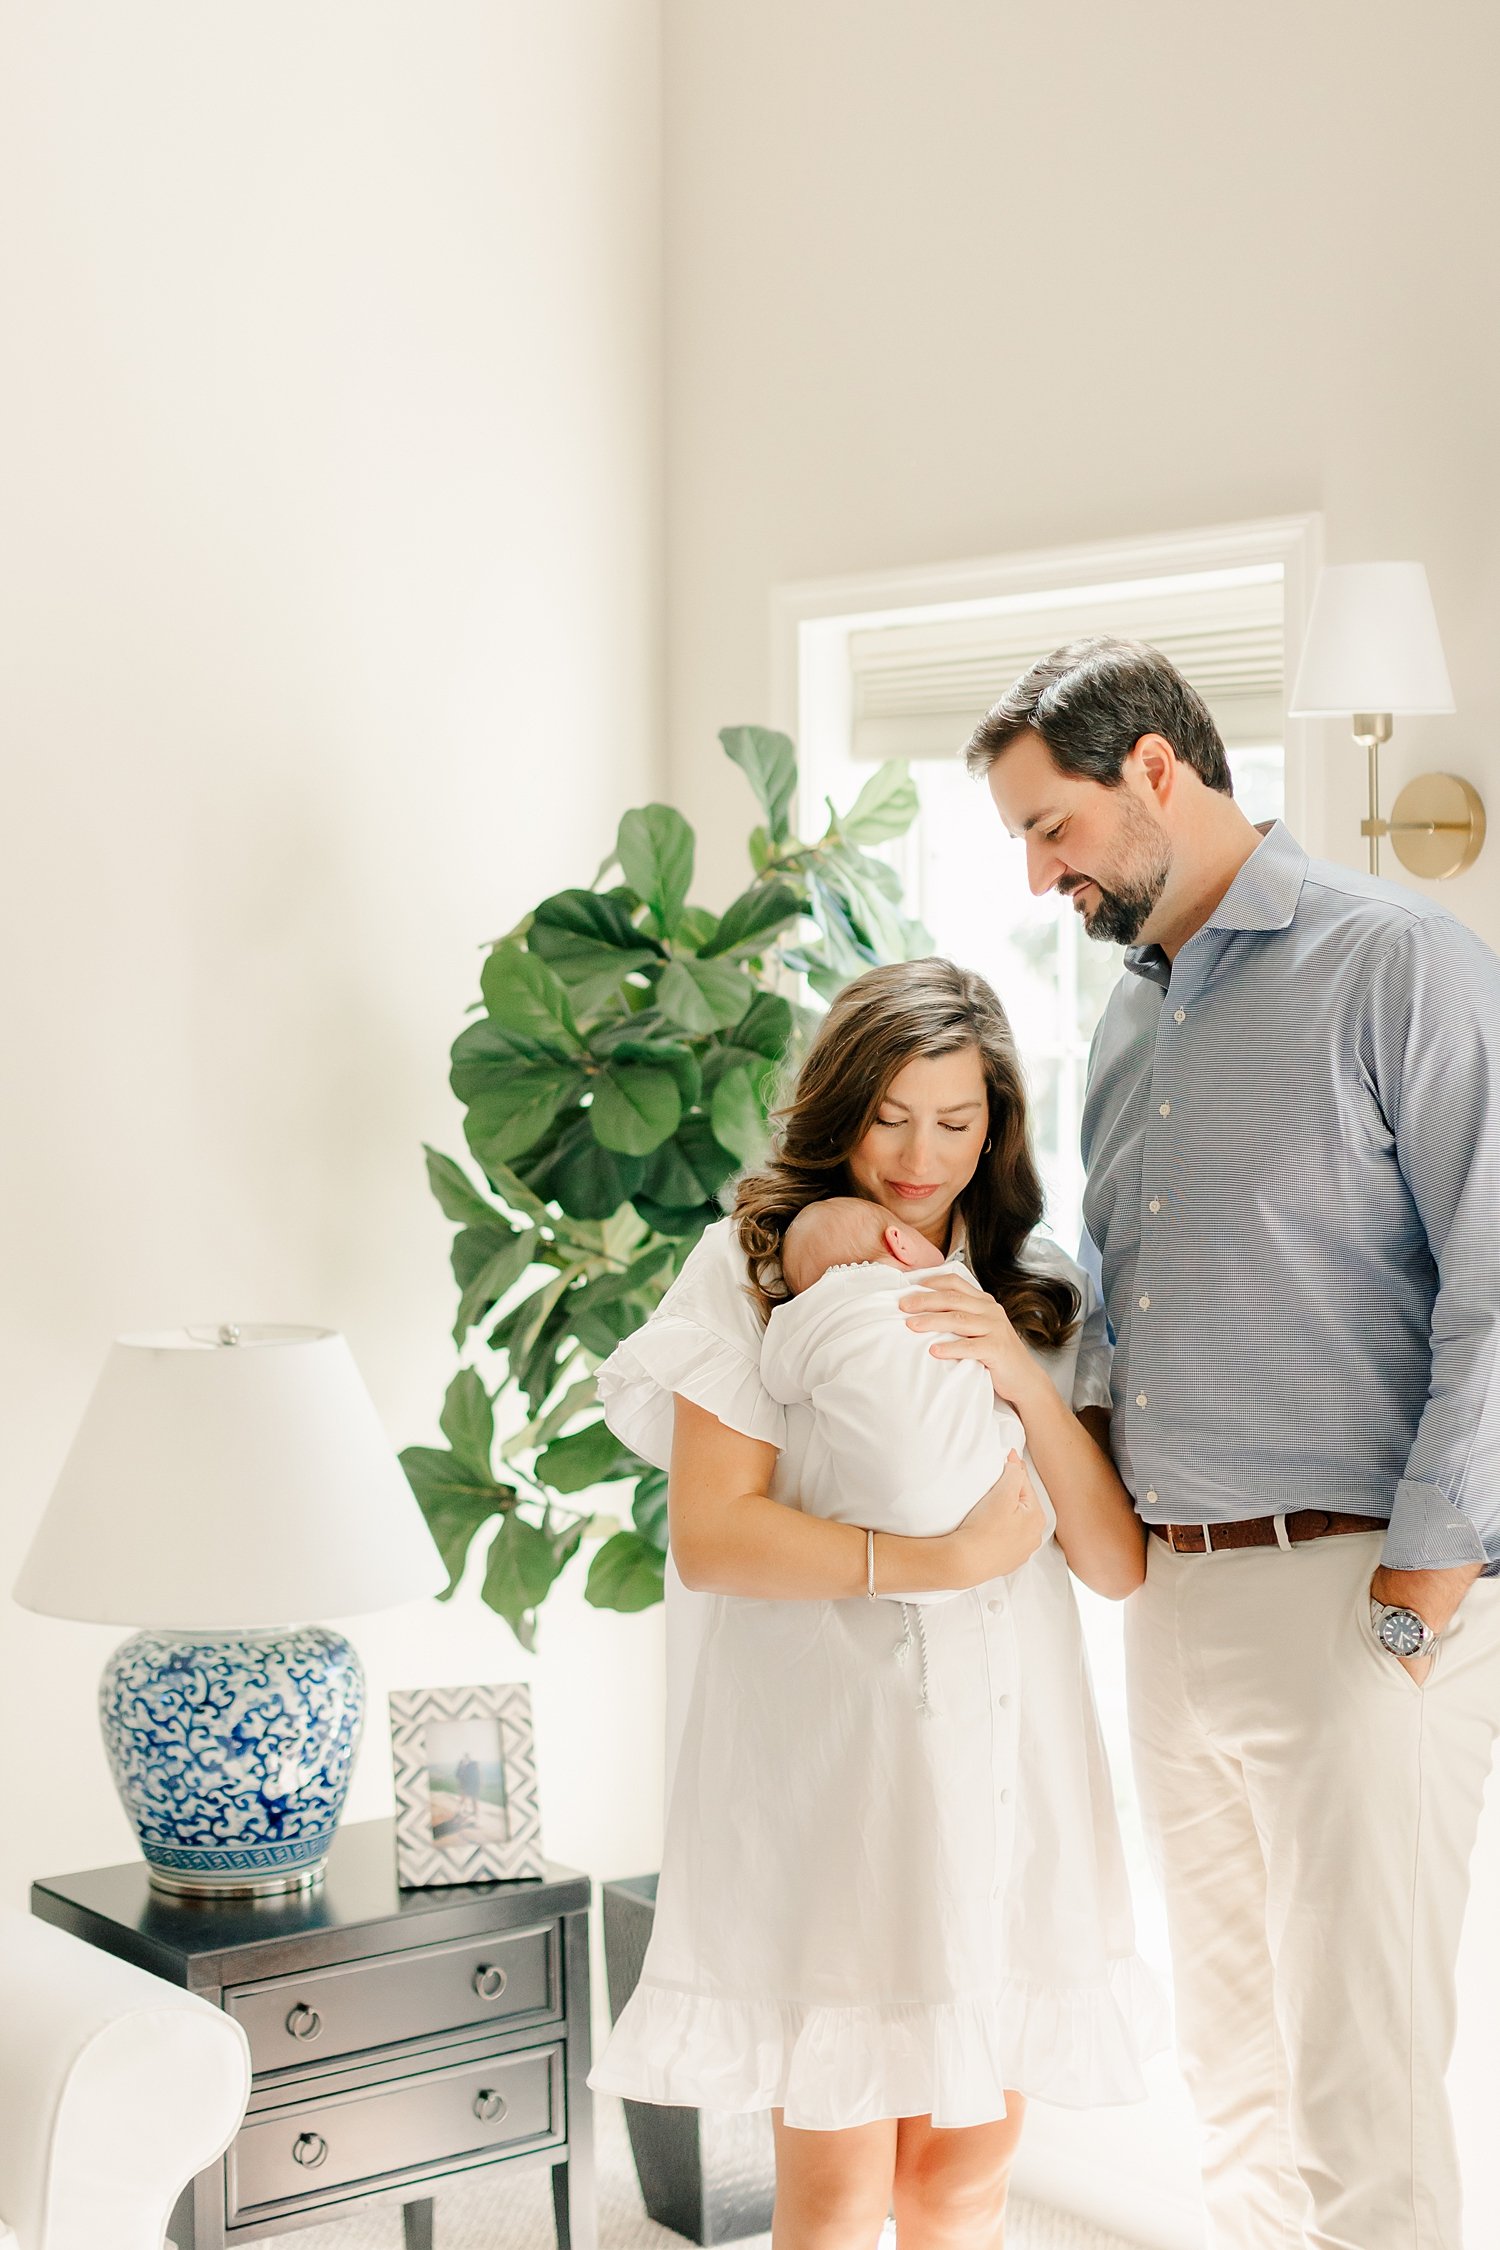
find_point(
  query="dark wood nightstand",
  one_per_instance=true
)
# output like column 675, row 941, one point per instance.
column 397, row 2037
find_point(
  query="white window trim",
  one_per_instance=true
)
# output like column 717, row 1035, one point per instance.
column 805, row 696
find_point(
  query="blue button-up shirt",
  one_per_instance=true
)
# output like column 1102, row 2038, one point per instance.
column 1292, row 1140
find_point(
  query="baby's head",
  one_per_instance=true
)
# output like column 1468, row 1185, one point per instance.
column 845, row 1230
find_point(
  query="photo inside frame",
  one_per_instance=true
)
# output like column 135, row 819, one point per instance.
column 468, row 1804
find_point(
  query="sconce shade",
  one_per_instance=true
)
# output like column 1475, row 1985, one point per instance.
column 229, row 1486
column 1372, row 644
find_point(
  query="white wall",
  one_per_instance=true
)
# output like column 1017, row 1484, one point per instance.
column 329, row 640
column 968, row 279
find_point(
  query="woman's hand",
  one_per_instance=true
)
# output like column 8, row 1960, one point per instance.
column 974, row 1326
column 1002, row 1531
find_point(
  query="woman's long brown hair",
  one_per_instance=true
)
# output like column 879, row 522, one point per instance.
column 876, row 1026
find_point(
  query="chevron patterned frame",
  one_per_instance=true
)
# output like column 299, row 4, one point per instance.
column 421, row 1859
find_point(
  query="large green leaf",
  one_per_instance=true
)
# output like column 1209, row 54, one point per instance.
column 703, row 995
column 739, row 1121
column 486, row 1262
column 623, row 1042
column 656, row 854
column 592, row 944
column 879, row 925
column 695, row 927
column 690, row 1168
column 635, row 1107
column 454, row 1501
column 586, row 917
column 649, row 1508
column 523, row 995
column 457, row 1199
column 769, row 763
column 484, row 1054
column 518, row 1574
column 766, row 1025
column 754, row 918
column 516, row 1195
column 885, row 807
column 683, row 1223
column 589, row 1457
column 627, row 1573
column 578, row 1398
column 468, row 1421
column 587, row 1179
column 510, row 1118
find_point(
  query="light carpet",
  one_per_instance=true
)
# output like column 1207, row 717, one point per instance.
column 496, row 2210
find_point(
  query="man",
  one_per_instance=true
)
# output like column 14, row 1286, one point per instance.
column 1292, row 1142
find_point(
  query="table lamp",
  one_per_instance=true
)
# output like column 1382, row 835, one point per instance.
column 225, row 1486
column 1373, row 652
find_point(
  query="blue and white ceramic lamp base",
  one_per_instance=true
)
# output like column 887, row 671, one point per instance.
column 232, row 1752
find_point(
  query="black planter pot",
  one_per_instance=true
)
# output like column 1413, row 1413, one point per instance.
column 708, row 2176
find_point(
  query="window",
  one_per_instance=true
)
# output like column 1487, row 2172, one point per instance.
column 910, row 681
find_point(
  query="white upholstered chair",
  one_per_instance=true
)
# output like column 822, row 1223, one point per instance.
column 115, row 2088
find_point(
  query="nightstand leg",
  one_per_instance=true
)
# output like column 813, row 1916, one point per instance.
column 574, row 2196
column 416, row 2224
column 573, row 2205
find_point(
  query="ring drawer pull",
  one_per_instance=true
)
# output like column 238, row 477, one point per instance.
column 488, row 1980
column 488, row 2104
column 309, row 2149
column 304, row 2022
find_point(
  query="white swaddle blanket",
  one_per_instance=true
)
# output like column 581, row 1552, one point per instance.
column 902, row 1442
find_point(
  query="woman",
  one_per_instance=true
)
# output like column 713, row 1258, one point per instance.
column 887, row 1919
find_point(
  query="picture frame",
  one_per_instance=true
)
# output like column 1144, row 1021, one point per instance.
column 467, row 1809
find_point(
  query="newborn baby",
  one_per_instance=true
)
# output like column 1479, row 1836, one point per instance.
column 901, row 1441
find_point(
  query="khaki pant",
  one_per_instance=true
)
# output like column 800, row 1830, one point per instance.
column 1312, row 1812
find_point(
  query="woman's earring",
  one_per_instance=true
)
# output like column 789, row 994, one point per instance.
column 989, row 1144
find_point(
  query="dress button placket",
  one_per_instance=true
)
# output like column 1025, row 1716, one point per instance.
column 998, row 1635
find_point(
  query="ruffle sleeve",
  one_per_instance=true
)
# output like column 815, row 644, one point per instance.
column 703, row 1340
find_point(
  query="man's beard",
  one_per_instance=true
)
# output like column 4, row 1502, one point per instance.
column 1122, row 911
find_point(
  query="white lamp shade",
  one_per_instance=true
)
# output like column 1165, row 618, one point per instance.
column 226, row 1486
column 1372, row 644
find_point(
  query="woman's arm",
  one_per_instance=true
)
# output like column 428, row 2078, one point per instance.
column 1097, row 1526
column 729, row 1536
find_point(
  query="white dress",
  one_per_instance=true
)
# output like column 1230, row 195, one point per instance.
column 868, row 1910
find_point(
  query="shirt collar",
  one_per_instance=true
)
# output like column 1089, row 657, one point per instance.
column 1263, row 896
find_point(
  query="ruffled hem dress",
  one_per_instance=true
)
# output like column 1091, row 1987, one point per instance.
column 873, row 1904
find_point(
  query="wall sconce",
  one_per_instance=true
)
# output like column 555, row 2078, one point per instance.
column 1372, row 652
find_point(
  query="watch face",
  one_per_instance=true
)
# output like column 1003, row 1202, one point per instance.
column 1402, row 1632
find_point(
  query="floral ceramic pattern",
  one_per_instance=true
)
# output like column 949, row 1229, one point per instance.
column 232, row 1753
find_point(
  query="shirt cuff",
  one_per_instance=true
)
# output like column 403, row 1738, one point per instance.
column 1428, row 1533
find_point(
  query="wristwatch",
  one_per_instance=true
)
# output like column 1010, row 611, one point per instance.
column 1400, row 1630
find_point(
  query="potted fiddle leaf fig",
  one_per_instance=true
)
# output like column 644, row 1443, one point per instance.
column 617, row 1074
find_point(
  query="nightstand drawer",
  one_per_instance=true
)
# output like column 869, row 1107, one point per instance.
column 294, row 2021
column 312, row 2149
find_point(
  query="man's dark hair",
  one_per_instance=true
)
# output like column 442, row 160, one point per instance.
column 1091, row 701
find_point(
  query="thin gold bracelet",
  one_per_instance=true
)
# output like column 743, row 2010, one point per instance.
column 870, row 1564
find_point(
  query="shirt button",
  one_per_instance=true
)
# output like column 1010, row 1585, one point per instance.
column 1002, row 1702
column 1005, row 1796
column 1165, row 1110
column 1181, row 1016
column 1155, row 1204
column 995, row 1605
column 1151, row 1499
column 1140, row 1398
column 1145, row 1304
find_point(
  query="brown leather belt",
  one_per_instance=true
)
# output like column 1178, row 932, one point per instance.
column 1261, row 1531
